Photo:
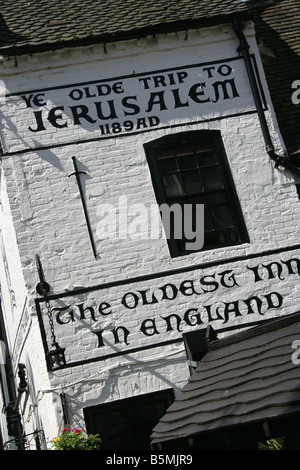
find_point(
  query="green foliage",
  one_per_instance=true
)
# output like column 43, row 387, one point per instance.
column 75, row 439
column 272, row 444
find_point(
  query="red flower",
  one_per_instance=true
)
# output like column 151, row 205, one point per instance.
column 65, row 430
column 76, row 430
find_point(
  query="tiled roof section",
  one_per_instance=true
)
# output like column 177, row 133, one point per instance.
column 278, row 26
column 42, row 24
column 246, row 378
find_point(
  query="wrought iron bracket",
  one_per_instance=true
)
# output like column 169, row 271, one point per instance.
column 42, row 287
column 55, row 357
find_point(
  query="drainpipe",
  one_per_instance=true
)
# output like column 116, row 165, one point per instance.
column 283, row 161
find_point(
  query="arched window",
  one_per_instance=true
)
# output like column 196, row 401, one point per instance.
column 191, row 168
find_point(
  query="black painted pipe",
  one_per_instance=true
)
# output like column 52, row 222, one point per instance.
column 279, row 160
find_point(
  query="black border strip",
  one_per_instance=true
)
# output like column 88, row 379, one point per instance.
column 38, row 301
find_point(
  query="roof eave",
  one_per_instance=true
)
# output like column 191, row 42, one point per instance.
column 163, row 28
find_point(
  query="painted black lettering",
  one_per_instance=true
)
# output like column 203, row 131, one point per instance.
column 278, row 268
column 192, row 317
column 257, row 302
column 231, row 307
column 227, row 279
column 130, row 300
column 159, row 80
column 103, row 307
column 197, row 92
column 39, row 122
column 169, row 324
column 145, row 299
column 169, row 292
column 115, row 332
column 289, row 265
column 228, row 89
column 209, row 313
column 145, row 82
column 100, row 338
column 55, row 115
column 206, row 282
column 274, row 300
column 81, row 112
column 148, row 327
column 156, row 98
column 111, row 110
column 178, row 102
column 255, row 270
column 187, row 288
column 134, row 107
column 87, row 309
column 63, row 317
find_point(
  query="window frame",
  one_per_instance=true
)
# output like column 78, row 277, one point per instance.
column 198, row 137
column 130, row 413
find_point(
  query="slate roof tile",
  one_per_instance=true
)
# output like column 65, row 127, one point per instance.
column 41, row 22
column 246, row 378
column 277, row 26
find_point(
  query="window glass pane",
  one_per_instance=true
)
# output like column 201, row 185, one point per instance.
column 167, row 163
column 207, row 159
column 172, row 185
column 219, row 197
column 192, row 182
column 202, row 148
column 212, row 179
column 186, row 159
column 187, row 162
column 215, row 239
column 221, row 216
column 206, row 155
column 208, row 223
column 164, row 153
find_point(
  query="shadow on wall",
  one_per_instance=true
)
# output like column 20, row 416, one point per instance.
column 9, row 38
column 277, row 33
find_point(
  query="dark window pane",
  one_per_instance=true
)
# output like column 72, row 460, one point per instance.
column 172, row 185
column 167, row 163
column 219, row 197
column 212, row 179
column 192, row 182
column 206, row 155
column 164, row 153
column 221, row 216
column 208, row 221
column 216, row 239
column 186, row 160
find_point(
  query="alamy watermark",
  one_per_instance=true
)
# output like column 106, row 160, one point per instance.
column 296, row 354
column 296, row 93
column 3, row 92
column 140, row 222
